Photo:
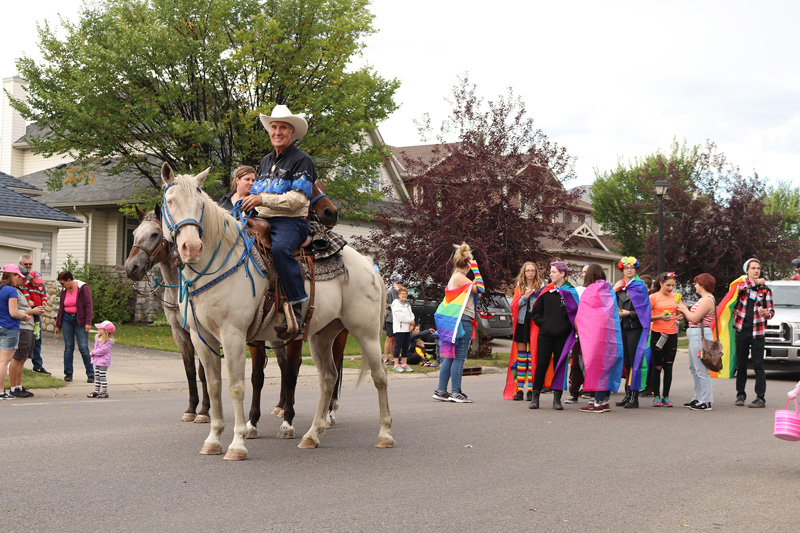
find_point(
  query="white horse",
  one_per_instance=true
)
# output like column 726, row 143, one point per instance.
column 222, row 301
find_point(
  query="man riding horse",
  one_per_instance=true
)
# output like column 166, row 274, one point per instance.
column 282, row 193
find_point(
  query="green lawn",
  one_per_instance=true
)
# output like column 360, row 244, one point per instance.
column 34, row 380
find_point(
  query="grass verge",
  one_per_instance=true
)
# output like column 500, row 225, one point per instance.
column 34, row 380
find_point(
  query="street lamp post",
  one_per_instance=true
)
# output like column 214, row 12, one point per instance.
column 661, row 189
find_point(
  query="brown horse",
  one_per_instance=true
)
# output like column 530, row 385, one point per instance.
column 150, row 248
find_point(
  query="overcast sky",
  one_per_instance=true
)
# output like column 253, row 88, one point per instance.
column 604, row 79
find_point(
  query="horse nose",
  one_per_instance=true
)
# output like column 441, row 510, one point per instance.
column 132, row 271
column 331, row 215
column 191, row 249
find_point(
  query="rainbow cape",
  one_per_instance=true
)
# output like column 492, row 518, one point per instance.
column 637, row 290
column 511, row 378
column 448, row 319
column 600, row 335
column 557, row 374
column 727, row 333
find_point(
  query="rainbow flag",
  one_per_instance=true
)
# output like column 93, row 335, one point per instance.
column 600, row 335
column 448, row 319
column 637, row 290
column 478, row 277
column 727, row 333
column 511, row 376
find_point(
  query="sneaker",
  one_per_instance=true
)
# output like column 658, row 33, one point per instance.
column 7, row 396
column 406, row 368
column 103, row 395
column 90, row 379
column 460, row 397
column 666, row 402
column 701, row 407
column 67, row 377
column 42, row 371
column 22, row 393
column 571, row 399
column 606, row 407
column 442, row 396
column 758, row 403
column 656, row 402
column 587, row 396
column 397, row 368
column 434, row 364
column 593, row 408
column 691, row 404
column 94, row 394
column 739, row 401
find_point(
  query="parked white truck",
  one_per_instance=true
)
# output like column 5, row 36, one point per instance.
column 782, row 342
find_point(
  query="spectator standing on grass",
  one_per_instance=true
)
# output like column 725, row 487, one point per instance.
column 101, row 358
column 10, row 317
column 391, row 296
column 701, row 320
column 753, row 308
column 75, row 319
column 403, row 321
column 34, row 290
column 25, row 346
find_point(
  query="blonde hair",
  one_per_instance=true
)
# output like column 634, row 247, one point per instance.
column 462, row 257
column 402, row 289
column 103, row 334
column 537, row 280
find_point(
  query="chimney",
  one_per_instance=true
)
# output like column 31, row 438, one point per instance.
column 13, row 127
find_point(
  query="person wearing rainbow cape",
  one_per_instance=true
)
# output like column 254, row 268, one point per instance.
column 554, row 332
column 519, row 363
column 634, row 312
column 743, row 315
column 455, row 320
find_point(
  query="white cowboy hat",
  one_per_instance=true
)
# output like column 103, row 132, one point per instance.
column 281, row 113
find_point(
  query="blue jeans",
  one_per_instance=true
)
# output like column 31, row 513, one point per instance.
column 287, row 234
column 37, row 346
column 702, row 379
column 71, row 331
column 454, row 368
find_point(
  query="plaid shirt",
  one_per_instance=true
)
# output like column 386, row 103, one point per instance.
column 763, row 298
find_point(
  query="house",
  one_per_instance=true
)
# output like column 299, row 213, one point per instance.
column 28, row 226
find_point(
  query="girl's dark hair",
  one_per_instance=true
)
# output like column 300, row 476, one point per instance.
column 594, row 273
column 65, row 276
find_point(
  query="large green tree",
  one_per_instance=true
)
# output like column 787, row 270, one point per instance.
column 183, row 81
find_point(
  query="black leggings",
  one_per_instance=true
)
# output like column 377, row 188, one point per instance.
column 546, row 347
column 401, row 345
column 663, row 357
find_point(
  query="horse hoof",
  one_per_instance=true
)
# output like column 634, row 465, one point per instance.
column 307, row 443
column 251, row 433
column 235, row 455
column 286, row 433
column 188, row 417
column 211, row 449
column 280, row 413
column 328, row 424
column 332, row 421
column 202, row 419
column 276, row 411
column 385, row 443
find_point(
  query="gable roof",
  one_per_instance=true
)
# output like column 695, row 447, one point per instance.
column 10, row 182
column 19, row 206
column 105, row 189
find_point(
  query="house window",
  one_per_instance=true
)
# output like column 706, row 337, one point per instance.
column 131, row 224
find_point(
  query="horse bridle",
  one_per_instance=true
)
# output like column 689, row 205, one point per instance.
column 175, row 228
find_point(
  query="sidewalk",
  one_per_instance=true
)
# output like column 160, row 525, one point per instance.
column 136, row 369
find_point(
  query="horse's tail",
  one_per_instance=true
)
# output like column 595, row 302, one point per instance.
column 364, row 367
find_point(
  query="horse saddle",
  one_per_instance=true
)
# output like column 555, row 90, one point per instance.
column 260, row 229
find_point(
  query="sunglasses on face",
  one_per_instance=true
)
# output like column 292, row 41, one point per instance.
column 27, row 264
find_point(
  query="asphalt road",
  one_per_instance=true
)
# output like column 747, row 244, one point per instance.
column 128, row 464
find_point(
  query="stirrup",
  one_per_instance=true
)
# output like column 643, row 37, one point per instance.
column 291, row 329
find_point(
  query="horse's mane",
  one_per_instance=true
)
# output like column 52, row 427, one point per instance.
column 214, row 217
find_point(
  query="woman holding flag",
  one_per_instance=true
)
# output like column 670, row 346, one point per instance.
column 554, row 331
column 454, row 322
column 634, row 314
column 519, row 364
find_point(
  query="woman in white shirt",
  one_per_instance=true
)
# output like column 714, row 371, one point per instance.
column 403, row 321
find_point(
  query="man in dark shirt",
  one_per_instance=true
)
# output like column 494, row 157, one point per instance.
column 282, row 193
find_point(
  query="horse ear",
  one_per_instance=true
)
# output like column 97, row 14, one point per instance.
column 157, row 211
column 141, row 214
column 166, row 174
column 201, row 178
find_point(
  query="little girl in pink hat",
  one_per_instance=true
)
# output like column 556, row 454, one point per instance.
column 101, row 357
